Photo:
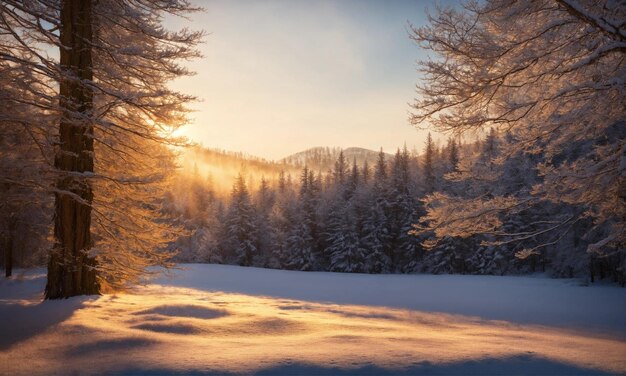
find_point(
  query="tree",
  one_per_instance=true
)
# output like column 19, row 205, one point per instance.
column 108, row 95
column 376, row 225
column 343, row 250
column 25, row 206
column 429, row 164
column 265, row 200
column 365, row 172
column 341, row 170
column 401, row 214
column 380, row 170
column 453, row 154
column 241, row 230
column 299, row 248
column 375, row 239
column 552, row 73
column 304, row 234
column 353, row 180
column 282, row 219
column 281, row 182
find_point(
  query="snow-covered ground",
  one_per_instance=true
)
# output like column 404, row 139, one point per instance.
column 215, row 319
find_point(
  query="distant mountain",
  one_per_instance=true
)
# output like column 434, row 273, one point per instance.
column 323, row 158
column 221, row 167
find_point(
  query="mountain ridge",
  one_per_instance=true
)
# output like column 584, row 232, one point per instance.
column 222, row 167
column 322, row 158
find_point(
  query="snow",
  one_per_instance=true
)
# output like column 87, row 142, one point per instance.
column 217, row 319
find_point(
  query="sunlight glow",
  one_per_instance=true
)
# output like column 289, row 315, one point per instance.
column 180, row 329
column 274, row 81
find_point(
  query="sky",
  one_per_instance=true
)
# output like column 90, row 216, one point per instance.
column 281, row 76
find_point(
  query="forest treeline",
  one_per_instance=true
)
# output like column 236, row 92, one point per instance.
column 366, row 217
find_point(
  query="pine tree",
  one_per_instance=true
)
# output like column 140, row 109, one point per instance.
column 281, row 182
column 241, row 230
column 265, row 200
column 282, row 219
column 429, row 165
column 343, row 249
column 375, row 238
column 365, row 172
column 453, row 154
column 489, row 151
column 380, row 171
column 353, row 181
column 401, row 214
column 302, row 238
column 340, row 170
column 346, row 253
column 379, row 240
column 299, row 248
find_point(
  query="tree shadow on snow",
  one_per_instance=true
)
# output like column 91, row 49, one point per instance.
column 516, row 365
column 20, row 321
column 99, row 347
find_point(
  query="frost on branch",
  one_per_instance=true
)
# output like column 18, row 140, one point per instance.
column 118, row 101
column 551, row 75
column 458, row 217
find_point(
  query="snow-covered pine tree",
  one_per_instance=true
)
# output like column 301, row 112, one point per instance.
column 402, row 214
column 302, row 238
column 353, row 181
column 377, row 219
column 241, row 231
column 365, row 173
column 340, row 170
column 299, row 248
column 209, row 237
column 314, row 218
column 453, row 154
column 264, row 203
column 346, row 253
column 283, row 216
column 375, row 238
column 429, row 165
column 342, row 243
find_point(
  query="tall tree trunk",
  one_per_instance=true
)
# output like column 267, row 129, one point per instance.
column 8, row 252
column 8, row 262
column 71, row 271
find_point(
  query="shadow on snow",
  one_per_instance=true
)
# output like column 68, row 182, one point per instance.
column 516, row 365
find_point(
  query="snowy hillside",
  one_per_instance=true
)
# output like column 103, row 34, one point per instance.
column 215, row 319
column 323, row 158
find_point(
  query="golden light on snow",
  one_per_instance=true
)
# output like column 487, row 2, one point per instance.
column 180, row 329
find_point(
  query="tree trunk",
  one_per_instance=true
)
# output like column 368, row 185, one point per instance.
column 8, row 262
column 8, row 256
column 8, row 251
column 71, row 270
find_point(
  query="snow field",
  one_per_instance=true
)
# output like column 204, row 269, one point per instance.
column 213, row 319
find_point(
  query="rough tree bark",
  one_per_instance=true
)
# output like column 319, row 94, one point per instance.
column 71, row 270
column 8, row 251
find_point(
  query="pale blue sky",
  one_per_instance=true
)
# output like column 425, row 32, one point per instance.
column 279, row 76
